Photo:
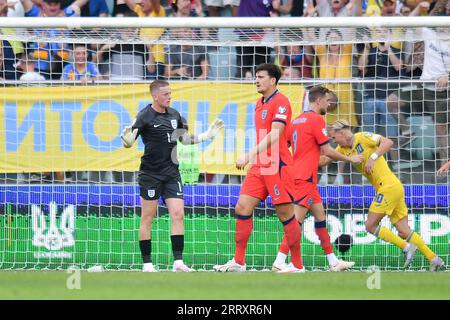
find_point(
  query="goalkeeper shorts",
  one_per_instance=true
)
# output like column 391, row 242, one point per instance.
column 153, row 186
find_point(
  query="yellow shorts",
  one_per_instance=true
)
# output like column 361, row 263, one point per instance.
column 390, row 200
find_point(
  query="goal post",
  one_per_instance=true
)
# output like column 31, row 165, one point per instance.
column 68, row 192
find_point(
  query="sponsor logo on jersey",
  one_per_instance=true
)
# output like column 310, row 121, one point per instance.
column 157, row 125
column 174, row 123
column 151, row 193
column 264, row 114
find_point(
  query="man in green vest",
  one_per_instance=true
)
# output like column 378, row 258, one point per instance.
column 188, row 160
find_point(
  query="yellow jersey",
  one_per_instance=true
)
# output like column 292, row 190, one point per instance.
column 366, row 143
column 153, row 33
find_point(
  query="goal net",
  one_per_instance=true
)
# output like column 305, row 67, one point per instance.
column 68, row 191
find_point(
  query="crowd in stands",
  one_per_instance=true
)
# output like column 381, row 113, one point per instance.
column 380, row 102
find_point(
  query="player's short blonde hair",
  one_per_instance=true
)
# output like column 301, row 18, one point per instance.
column 341, row 124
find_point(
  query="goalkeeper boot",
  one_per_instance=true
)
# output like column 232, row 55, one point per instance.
column 437, row 264
column 290, row 268
column 148, row 267
column 277, row 266
column 179, row 266
column 341, row 265
column 408, row 253
column 230, row 266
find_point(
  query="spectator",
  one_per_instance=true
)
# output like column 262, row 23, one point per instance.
column 96, row 8
column 380, row 62
column 335, row 8
column 433, row 96
column 8, row 9
column 155, row 57
column 335, row 61
column 126, row 59
column 250, row 56
column 291, row 73
column 81, row 69
column 297, row 57
column 215, row 6
column 51, row 57
column 27, row 65
column 187, row 8
column 186, row 61
column 7, row 61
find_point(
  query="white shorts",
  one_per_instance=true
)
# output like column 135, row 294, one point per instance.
column 222, row 3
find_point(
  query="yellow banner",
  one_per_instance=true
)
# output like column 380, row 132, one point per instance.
column 78, row 128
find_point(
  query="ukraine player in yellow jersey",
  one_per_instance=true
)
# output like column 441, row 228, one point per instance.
column 390, row 195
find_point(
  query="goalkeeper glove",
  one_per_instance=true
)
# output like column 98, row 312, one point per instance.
column 212, row 131
column 128, row 136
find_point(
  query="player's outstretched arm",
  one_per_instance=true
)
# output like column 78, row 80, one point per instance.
column 128, row 136
column 443, row 169
column 209, row 134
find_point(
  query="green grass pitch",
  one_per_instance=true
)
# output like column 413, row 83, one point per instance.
column 209, row 285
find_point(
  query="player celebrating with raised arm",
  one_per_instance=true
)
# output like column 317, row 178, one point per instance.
column 270, row 160
column 390, row 195
column 160, row 127
column 309, row 138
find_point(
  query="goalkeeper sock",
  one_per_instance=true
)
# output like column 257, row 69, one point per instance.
column 322, row 233
column 244, row 226
column 284, row 246
column 146, row 250
column 177, row 246
column 417, row 240
column 293, row 235
column 387, row 235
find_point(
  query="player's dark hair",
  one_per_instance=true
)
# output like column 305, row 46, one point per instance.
column 317, row 92
column 155, row 85
column 273, row 70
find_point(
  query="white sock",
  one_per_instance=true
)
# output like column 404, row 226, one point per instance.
column 148, row 264
column 281, row 258
column 332, row 259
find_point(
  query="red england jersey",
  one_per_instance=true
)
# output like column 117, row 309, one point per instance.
column 276, row 108
column 307, row 134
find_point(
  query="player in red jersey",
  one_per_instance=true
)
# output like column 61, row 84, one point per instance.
column 309, row 138
column 270, row 161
